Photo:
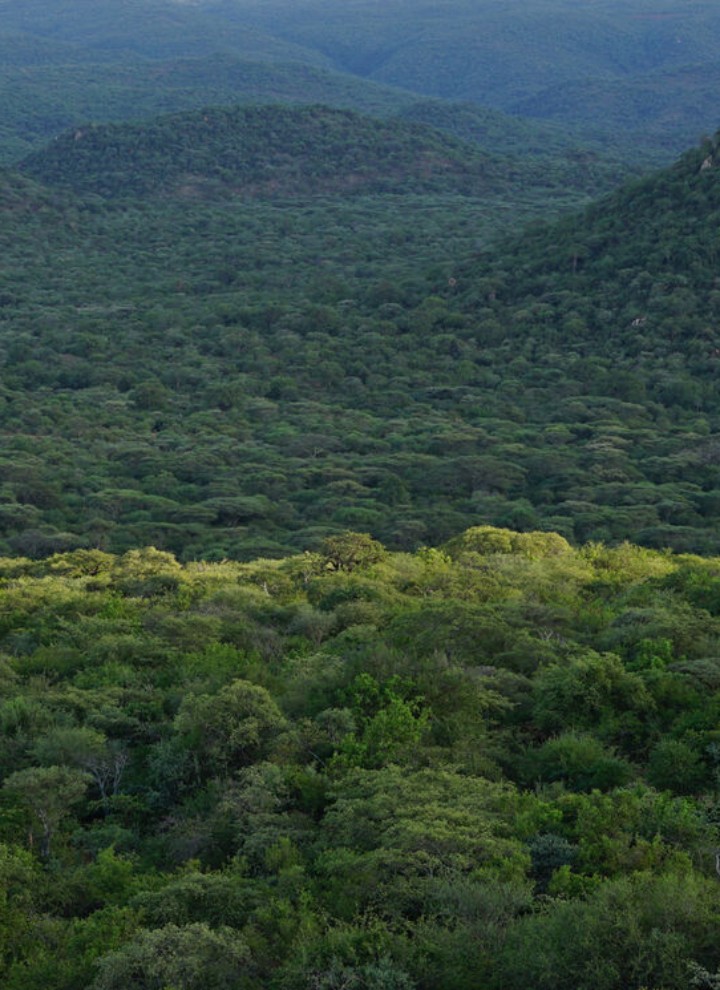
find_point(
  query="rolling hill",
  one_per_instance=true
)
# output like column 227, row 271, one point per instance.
column 246, row 745
column 262, row 151
column 220, row 372
column 636, row 76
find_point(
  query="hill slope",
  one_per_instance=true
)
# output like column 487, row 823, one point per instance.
column 52, row 97
column 261, row 150
column 157, row 29
column 646, row 254
column 491, row 764
column 609, row 319
column 42, row 103
column 225, row 375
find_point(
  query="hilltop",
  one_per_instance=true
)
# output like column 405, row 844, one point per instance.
column 44, row 100
column 259, row 151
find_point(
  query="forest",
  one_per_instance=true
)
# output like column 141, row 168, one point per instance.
column 491, row 764
column 359, row 495
column 233, row 333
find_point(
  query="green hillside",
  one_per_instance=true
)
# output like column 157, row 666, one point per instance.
column 274, row 150
column 359, row 495
column 556, row 59
column 262, row 150
column 651, row 110
column 41, row 103
column 639, row 264
column 600, row 163
column 622, row 301
column 221, row 375
column 157, row 29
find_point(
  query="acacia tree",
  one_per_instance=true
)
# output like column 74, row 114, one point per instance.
column 89, row 750
column 188, row 957
column 48, row 793
column 348, row 551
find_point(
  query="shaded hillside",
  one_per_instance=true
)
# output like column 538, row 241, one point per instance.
column 230, row 377
column 640, row 264
column 150, row 28
column 239, row 376
column 262, row 151
column 656, row 109
column 19, row 194
column 608, row 322
column 495, row 131
column 42, row 102
column 628, row 72
column 584, row 160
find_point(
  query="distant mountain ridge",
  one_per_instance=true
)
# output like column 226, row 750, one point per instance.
column 157, row 29
column 521, row 57
column 41, row 103
column 637, row 74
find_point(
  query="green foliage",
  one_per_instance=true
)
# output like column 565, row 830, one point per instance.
column 265, row 150
column 491, row 540
column 197, row 331
column 675, row 766
column 48, row 794
column 549, row 853
column 587, row 691
column 349, row 551
column 613, row 75
column 581, row 762
column 231, row 728
column 241, row 331
column 391, row 722
column 380, row 975
column 274, row 362
column 655, row 921
column 198, row 789
column 189, row 958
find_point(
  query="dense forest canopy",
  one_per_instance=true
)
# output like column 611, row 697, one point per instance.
column 491, row 765
column 274, row 151
column 233, row 332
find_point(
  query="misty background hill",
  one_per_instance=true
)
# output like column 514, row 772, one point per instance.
column 640, row 77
